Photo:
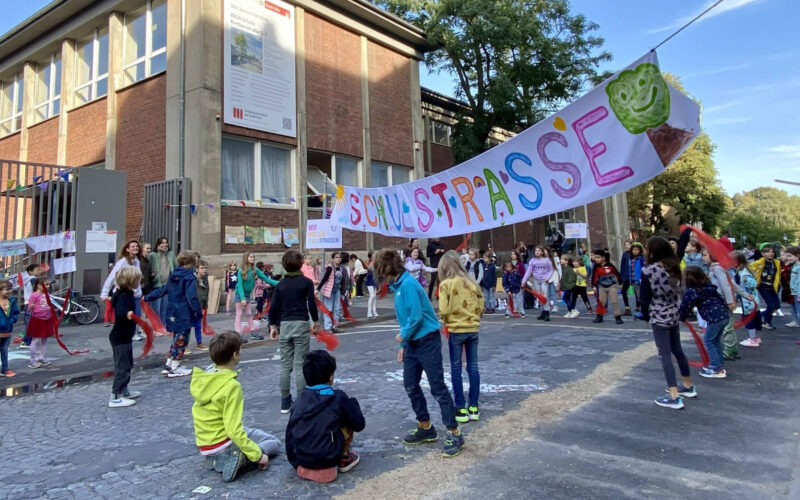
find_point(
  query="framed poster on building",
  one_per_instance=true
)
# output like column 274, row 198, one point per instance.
column 259, row 66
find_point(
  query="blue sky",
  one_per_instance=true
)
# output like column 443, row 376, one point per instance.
column 742, row 61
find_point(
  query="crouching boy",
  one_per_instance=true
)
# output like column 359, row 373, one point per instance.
column 229, row 447
column 322, row 423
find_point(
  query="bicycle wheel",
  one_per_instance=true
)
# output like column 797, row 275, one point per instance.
column 91, row 313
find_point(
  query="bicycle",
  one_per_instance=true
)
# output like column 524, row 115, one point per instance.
column 84, row 310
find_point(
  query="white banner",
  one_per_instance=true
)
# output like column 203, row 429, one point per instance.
column 323, row 233
column 575, row 230
column 101, row 241
column 622, row 133
column 259, row 73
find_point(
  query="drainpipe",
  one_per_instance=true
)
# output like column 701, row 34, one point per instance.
column 181, row 94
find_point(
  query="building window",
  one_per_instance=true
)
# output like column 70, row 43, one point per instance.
column 256, row 171
column 384, row 174
column 47, row 93
column 11, row 105
column 440, row 133
column 144, row 47
column 91, row 67
column 345, row 171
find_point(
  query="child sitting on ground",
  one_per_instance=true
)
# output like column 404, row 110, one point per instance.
column 121, row 336
column 322, row 423
column 229, row 447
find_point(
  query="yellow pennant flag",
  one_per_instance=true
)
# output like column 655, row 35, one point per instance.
column 10, row 183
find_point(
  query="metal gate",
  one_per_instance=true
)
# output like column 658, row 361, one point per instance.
column 167, row 211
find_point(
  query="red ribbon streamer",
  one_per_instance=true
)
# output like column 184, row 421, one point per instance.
column 325, row 310
column 385, row 290
column 704, row 359
column 207, row 330
column 263, row 313
column 330, row 339
column 346, row 312
column 153, row 318
column 511, row 303
column 601, row 308
column 541, row 298
column 464, row 243
column 148, row 333
column 714, row 247
column 58, row 319
column 745, row 319
column 108, row 317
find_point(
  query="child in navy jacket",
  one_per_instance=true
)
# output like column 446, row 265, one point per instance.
column 703, row 295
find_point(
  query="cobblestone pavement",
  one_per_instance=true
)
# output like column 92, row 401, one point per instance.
column 566, row 412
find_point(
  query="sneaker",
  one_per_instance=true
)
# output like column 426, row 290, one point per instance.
column 180, row 371
column 749, row 343
column 138, row 337
column 107, row 324
column 618, row 320
column 574, row 314
column 462, row 416
column 729, row 357
column 34, row 364
column 709, row 373
column 228, row 313
column 44, row 362
column 555, row 309
column 187, row 351
column 256, row 336
column 348, row 462
column 686, row 392
column 286, row 404
column 767, row 326
column 369, row 315
column 474, row 414
column 792, row 324
column 8, row 373
column 132, row 394
column 453, row 444
column 120, row 402
column 202, row 347
column 598, row 319
column 23, row 345
column 568, row 315
column 627, row 311
column 666, row 402
column 420, row 435
column 233, row 462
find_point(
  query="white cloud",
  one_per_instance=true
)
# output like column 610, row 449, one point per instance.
column 719, row 107
column 790, row 151
column 729, row 120
column 716, row 71
column 722, row 8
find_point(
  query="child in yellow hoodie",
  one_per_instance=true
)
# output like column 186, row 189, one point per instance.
column 461, row 307
column 229, row 447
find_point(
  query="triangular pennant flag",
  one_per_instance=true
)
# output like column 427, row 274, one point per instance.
column 243, row 203
column 65, row 176
column 274, row 200
column 193, row 208
column 291, row 198
column 36, row 178
column 222, row 204
column 20, row 188
column 10, row 183
column 210, row 205
column 259, row 202
column 167, row 205
column 44, row 185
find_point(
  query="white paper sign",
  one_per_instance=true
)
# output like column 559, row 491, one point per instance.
column 68, row 242
column 575, row 230
column 101, row 241
column 15, row 247
column 99, row 226
column 260, row 66
column 620, row 134
column 323, row 233
column 64, row 265
column 44, row 243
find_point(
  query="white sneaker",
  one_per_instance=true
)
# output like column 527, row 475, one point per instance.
column 138, row 337
column 793, row 324
column 120, row 402
column 555, row 309
column 179, row 372
column 749, row 343
column 132, row 395
column 575, row 313
column 568, row 315
column 369, row 315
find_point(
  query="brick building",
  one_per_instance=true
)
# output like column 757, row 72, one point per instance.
column 140, row 86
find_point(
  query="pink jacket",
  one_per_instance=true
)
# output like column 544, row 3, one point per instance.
column 41, row 309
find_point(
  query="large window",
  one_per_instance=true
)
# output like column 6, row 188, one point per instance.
column 384, row 174
column 440, row 133
column 47, row 93
column 11, row 105
column 144, row 47
column 256, row 171
column 91, row 67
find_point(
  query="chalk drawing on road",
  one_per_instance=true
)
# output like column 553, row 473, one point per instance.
column 397, row 376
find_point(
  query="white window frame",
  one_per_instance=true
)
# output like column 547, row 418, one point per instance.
column 148, row 56
column 391, row 168
column 359, row 166
column 53, row 94
column 257, row 172
column 94, row 79
column 17, row 89
column 449, row 142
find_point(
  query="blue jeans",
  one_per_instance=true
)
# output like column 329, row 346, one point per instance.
column 26, row 338
column 552, row 295
column 4, row 342
column 488, row 298
column 771, row 299
column 569, row 299
column 198, row 330
column 159, row 306
column 457, row 342
column 795, row 310
column 334, row 305
column 420, row 355
column 713, row 342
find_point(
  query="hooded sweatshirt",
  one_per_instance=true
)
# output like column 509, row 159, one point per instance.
column 183, row 308
column 217, row 412
column 314, row 436
column 413, row 309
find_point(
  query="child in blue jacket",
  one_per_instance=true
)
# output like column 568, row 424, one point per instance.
column 9, row 313
column 420, row 351
column 183, row 309
column 512, row 285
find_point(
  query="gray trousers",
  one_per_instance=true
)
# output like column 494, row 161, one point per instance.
column 268, row 443
column 294, row 340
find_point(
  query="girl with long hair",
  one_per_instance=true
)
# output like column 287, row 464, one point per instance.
column 129, row 256
column 541, row 268
column 245, row 283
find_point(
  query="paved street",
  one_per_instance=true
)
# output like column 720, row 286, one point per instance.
column 566, row 412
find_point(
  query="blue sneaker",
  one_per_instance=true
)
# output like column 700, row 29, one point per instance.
column 666, row 402
column 687, row 392
column 709, row 373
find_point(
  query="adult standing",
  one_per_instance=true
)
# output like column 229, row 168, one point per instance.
column 522, row 252
column 129, row 256
column 360, row 273
column 162, row 262
column 146, row 268
column 434, row 252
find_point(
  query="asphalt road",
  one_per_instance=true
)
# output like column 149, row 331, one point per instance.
column 566, row 412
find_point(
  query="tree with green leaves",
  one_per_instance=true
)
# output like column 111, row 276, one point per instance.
column 515, row 61
column 765, row 214
column 689, row 189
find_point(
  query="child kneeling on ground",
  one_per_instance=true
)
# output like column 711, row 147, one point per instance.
column 322, row 423
column 229, row 447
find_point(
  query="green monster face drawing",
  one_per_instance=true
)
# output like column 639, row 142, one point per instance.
column 639, row 98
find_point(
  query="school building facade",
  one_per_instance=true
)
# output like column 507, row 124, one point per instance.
column 264, row 105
